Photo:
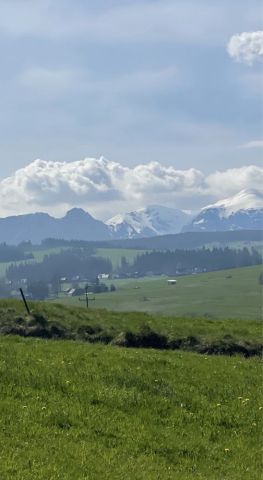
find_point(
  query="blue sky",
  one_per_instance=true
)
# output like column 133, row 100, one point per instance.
column 136, row 82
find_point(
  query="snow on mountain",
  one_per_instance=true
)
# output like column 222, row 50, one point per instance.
column 148, row 222
column 244, row 200
column 242, row 211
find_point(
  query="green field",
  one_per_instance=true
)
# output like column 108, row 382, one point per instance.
column 225, row 294
column 77, row 411
column 109, row 324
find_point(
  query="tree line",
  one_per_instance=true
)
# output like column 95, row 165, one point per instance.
column 84, row 264
column 11, row 253
column 68, row 263
column 185, row 261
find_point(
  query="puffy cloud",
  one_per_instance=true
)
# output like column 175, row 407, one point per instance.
column 231, row 181
column 102, row 186
column 246, row 47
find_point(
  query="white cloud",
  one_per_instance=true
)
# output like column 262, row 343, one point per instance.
column 101, row 186
column 246, row 47
column 231, row 181
column 253, row 144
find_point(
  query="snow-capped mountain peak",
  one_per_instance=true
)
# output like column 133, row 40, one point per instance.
column 149, row 221
column 244, row 200
column 242, row 211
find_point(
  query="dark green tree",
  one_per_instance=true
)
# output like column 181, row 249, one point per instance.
column 38, row 290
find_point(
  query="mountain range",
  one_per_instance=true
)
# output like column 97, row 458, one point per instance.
column 243, row 211
column 148, row 222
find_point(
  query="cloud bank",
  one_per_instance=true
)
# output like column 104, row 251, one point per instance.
column 246, row 47
column 104, row 187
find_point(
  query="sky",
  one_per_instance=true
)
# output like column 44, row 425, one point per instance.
column 115, row 104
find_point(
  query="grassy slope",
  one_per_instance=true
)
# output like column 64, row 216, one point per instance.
column 113, row 323
column 75, row 411
column 211, row 294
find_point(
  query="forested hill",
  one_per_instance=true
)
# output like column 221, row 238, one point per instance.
column 188, row 240
column 185, row 261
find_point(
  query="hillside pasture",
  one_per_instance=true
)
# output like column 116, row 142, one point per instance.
column 76, row 411
column 94, row 325
column 232, row 293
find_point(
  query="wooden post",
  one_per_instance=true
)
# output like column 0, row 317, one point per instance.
column 87, row 298
column 24, row 300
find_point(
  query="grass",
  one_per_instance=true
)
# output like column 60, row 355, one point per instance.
column 77, row 411
column 224, row 294
column 72, row 410
column 95, row 325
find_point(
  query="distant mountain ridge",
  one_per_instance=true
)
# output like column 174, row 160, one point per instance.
column 75, row 225
column 148, row 222
column 243, row 211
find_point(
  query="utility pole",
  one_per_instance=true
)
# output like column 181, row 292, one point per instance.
column 87, row 297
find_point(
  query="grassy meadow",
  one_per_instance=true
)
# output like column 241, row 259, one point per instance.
column 107, row 325
column 71, row 410
column 77, row 404
column 224, row 294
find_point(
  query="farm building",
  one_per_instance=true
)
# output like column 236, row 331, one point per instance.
column 171, row 282
column 75, row 292
column 104, row 276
